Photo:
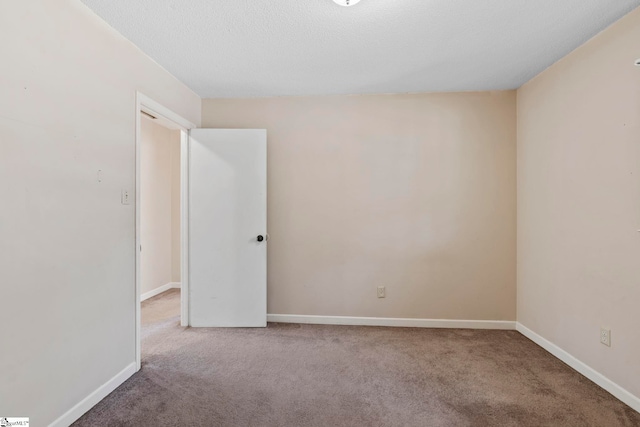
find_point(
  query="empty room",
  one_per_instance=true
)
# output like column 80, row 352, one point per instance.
column 307, row 213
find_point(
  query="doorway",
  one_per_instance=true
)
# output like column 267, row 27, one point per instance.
column 159, row 218
column 223, row 253
column 161, row 213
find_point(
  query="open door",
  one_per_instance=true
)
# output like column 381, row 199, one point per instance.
column 227, row 227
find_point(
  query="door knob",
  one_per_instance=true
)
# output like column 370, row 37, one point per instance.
column 260, row 238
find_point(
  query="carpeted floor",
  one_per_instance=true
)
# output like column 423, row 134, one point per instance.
column 307, row 375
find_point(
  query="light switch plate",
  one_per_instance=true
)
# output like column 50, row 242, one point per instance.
column 605, row 336
column 124, row 198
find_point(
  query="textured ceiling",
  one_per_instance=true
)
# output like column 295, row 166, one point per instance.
column 250, row 48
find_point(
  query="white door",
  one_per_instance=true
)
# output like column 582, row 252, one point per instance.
column 227, row 227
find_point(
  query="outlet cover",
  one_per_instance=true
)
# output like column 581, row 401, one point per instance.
column 605, row 336
column 381, row 292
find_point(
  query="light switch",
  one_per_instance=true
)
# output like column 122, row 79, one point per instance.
column 125, row 197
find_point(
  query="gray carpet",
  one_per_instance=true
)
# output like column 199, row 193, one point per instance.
column 307, row 375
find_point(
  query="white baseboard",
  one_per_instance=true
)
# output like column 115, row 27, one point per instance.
column 159, row 290
column 90, row 401
column 587, row 371
column 390, row 321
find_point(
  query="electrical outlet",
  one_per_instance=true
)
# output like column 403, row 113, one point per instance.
column 605, row 336
column 381, row 292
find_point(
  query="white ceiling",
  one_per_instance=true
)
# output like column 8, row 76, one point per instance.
column 252, row 48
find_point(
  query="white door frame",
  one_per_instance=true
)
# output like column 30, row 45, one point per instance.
column 158, row 110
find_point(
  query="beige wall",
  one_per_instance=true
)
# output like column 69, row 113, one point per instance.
column 579, row 203
column 67, row 245
column 412, row 192
column 158, row 205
